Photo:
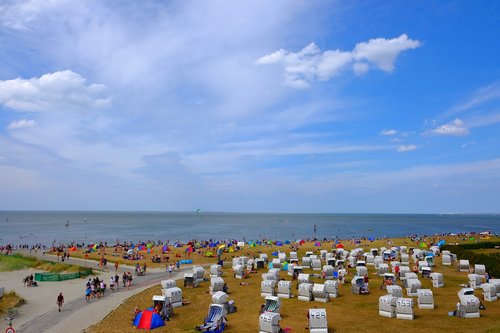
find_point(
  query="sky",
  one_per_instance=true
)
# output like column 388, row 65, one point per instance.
column 250, row 106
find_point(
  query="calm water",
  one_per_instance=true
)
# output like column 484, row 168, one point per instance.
column 46, row 227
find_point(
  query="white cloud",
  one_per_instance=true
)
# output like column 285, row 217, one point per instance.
column 456, row 128
column 403, row 148
column 388, row 132
column 18, row 15
column 383, row 52
column 311, row 64
column 58, row 91
column 23, row 123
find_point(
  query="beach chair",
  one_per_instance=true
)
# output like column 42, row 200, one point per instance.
column 221, row 298
column 463, row 265
column 469, row 306
column 215, row 270
column 282, row 257
column 269, row 322
column 403, row 270
column 430, row 261
column 250, row 265
column 405, row 259
column 290, row 269
column 328, row 272
column 358, row 285
column 413, row 286
column 318, row 321
column 267, row 288
column 408, row 276
column 437, row 280
column 377, row 261
column 387, row 306
column 435, row 250
column 479, row 269
column 239, row 271
column 426, row 272
column 297, row 270
column 496, row 282
column 320, row 294
column 446, row 260
column 264, row 257
column 322, row 254
column 167, row 284
column 175, row 296
column 306, row 262
column 276, row 263
column 395, row 291
column 303, row 278
column 382, row 269
column 386, row 255
column 167, row 310
column 475, row 280
column 293, row 258
column 489, row 292
column 305, row 292
column 404, row 308
column 284, row 289
column 425, row 299
column 214, row 321
column 403, row 250
column 272, row 304
column 316, row 264
column 422, row 264
column 352, row 261
column 189, row 280
column 216, row 284
column 389, row 279
column 332, row 288
column 361, row 271
column 370, row 259
column 261, row 263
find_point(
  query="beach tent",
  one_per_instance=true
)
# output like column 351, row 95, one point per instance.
column 73, row 249
column 423, row 245
column 442, row 242
column 287, row 242
column 278, row 243
column 339, row 246
column 148, row 319
column 317, row 244
column 301, row 242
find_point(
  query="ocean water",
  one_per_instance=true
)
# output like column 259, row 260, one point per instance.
column 29, row 227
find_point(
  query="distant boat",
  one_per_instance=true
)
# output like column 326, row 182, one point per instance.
column 67, row 223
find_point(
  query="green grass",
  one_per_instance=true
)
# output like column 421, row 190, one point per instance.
column 16, row 262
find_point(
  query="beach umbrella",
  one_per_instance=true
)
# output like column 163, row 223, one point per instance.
column 149, row 245
column 148, row 319
column 189, row 249
column 231, row 249
column 472, row 239
column 269, row 242
column 222, row 246
column 442, row 242
column 339, row 246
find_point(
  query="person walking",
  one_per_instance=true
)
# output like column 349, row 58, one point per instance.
column 60, row 301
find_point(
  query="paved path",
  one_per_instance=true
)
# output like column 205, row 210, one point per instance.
column 78, row 314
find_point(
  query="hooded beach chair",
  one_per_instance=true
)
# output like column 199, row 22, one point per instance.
column 318, row 321
column 269, row 322
column 267, row 288
column 425, row 299
column 437, row 280
column 387, row 306
column 332, row 288
column 272, row 304
column 284, row 289
column 404, row 308
column 395, row 291
column 216, row 284
column 305, row 292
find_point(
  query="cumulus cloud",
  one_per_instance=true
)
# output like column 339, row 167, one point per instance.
column 403, row 148
column 23, row 123
column 456, row 128
column 310, row 63
column 388, row 132
column 383, row 52
column 53, row 91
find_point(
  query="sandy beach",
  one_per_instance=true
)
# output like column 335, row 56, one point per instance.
column 40, row 314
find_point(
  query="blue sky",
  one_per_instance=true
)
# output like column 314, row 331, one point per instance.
column 256, row 106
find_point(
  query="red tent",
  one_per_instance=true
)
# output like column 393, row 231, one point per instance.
column 340, row 246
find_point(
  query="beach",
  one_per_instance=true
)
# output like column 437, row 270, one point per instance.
column 104, row 315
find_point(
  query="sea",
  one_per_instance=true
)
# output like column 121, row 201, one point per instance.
column 47, row 227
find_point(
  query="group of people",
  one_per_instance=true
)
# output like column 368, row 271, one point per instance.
column 29, row 281
column 96, row 287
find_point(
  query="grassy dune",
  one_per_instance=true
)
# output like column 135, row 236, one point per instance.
column 348, row 313
column 16, row 262
column 9, row 302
